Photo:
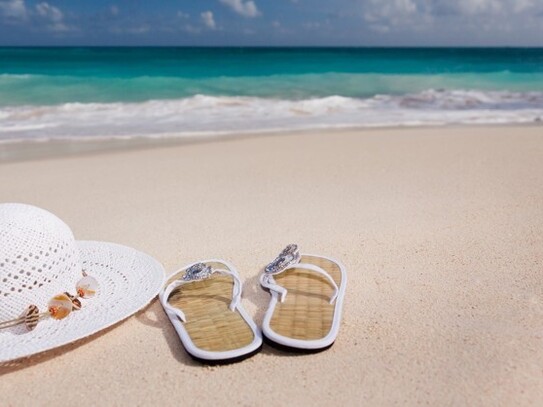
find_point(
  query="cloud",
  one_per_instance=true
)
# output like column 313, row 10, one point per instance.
column 450, row 19
column 135, row 30
column 384, row 15
column 114, row 10
column 501, row 9
column 243, row 8
column 524, row 5
column 53, row 16
column 141, row 29
column 392, row 10
column 13, row 9
column 50, row 12
column 180, row 14
column 208, row 20
column 311, row 25
column 473, row 7
column 191, row 29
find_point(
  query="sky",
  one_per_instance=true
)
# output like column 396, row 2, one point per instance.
column 272, row 22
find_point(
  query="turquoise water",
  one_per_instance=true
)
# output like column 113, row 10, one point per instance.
column 87, row 92
column 61, row 75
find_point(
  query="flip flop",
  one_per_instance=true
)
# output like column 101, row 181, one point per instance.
column 307, row 294
column 202, row 301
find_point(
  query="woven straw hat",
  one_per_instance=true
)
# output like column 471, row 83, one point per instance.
column 39, row 258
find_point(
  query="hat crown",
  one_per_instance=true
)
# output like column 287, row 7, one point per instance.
column 39, row 258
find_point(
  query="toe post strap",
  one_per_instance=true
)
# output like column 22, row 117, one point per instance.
column 199, row 272
column 288, row 259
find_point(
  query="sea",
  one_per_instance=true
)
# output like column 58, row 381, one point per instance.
column 99, row 93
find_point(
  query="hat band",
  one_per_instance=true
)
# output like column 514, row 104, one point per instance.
column 59, row 307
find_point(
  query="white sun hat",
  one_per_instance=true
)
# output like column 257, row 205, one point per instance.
column 40, row 260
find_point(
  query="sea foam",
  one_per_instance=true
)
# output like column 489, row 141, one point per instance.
column 202, row 115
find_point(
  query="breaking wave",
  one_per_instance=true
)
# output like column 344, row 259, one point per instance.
column 204, row 115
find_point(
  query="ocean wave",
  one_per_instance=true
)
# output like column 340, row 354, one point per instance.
column 7, row 76
column 203, row 115
column 35, row 89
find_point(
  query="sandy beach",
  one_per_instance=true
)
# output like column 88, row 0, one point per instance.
column 441, row 230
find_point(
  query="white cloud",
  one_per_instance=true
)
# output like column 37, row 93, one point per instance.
column 243, row 8
column 208, row 20
column 311, row 25
column 141, row 29
column 114, row 10
column 523, row 5
column 191, row 29
column 387, row 10
column 135, row 30
column 452, row 19
column 380, row 28
column 180, row 14
column 472, row 7
column 53, row 16
column 405, row 6
column 382, row 15
column 52, row 13
column 15, row 9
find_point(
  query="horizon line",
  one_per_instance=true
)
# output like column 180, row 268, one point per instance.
column 273, row 46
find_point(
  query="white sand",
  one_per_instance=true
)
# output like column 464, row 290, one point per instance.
column 441, row 231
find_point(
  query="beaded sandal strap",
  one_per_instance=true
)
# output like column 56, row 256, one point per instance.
column 288, row 259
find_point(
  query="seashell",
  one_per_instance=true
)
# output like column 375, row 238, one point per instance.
column 76, row 304
column 87, row 287
column 32, row 317
column 60, row 306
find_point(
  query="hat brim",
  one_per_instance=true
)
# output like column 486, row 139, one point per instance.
column 128, row 279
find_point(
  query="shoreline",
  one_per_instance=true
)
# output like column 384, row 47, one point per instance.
column 29, row 150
